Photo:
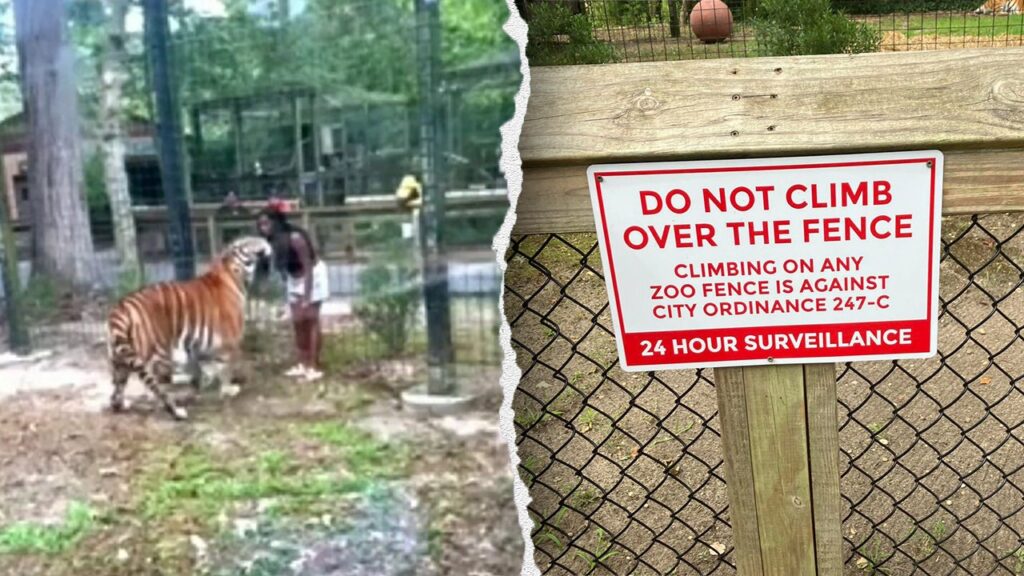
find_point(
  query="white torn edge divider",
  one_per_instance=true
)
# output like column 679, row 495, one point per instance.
column 511, row 166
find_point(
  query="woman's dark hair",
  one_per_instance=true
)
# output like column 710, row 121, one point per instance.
column 285, row 259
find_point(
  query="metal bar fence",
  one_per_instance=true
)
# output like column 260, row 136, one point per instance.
column 324, row 114
column 625, row 470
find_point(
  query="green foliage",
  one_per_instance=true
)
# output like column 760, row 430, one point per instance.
column 129, row 281
column 629, row 13
column 363, row 454
column 200, row 484
column 389, row 300
column 10, row 92
column 39, row 299
column 557, row 36
column 471, row 28
column 472, row 230
column 96, row 184
column 333, row 45
column 34, row 538
column 801, row 27
column 601, row 554
column 87, row 25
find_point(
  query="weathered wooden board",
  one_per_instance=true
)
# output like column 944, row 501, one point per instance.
column 556, row 199
column 770, row 106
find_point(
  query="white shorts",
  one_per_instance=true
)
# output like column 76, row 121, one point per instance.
column 321, row 289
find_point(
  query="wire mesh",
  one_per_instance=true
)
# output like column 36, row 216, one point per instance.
column 625, row 469
column 605, row 31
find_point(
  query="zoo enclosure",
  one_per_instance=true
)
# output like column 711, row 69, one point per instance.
column 566, row 32
column 626, row 470
column 316, row 108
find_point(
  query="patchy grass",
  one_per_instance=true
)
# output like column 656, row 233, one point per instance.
column 956, row 25
column 584, row 498
column 1018, row 565
column 602, row 552
column 363, row 455
column 35, row 538
column 199, row 485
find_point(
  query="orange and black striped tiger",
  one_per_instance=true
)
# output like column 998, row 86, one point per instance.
column 1001, row 7
column 159, row 326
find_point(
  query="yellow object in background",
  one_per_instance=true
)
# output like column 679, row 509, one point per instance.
column 410, row 193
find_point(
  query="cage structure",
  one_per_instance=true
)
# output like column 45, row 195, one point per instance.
column 319, row 147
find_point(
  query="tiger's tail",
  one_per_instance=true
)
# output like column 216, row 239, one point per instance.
column 122, row 354
column 120, row 344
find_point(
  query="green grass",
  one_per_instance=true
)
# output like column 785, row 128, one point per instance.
column 362, row 454
column 548, row 534
column 199, row 484
column 601, row 554
column 583, row 498
column 527, row 417
column 34, row 538
column 1018, row 565
column 351, row 347
column 872, row 557
column 588, row 420
column 956, row 25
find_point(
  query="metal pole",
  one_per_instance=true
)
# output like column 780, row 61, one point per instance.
column 440, row 356
column 169, row 133
column 17, row 332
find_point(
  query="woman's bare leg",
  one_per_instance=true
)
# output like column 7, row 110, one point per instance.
column 301, row 335
column 315, row 337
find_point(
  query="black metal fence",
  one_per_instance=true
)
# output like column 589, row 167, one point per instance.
column 606, row 31
column 318, row 106
column 625, row 469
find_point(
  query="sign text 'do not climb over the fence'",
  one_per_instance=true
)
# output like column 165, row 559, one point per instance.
column 792, row 260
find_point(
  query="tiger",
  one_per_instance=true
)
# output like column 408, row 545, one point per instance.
column 157, row 327
column 1001, row 7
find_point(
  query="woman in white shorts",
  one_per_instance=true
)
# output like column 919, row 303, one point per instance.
column 307, row 285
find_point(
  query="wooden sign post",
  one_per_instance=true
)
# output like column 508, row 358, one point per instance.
column 781, row 451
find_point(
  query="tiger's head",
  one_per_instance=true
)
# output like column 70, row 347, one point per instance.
column 247, row 258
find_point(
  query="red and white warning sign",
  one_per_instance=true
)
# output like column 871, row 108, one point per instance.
column 791, row 260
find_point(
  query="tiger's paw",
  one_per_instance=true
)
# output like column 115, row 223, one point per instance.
column 230, row 390
column 179, row 413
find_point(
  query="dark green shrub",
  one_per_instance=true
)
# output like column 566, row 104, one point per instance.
column 95, row 184
column 557, row 36
column 389, row 299
column 799, row 27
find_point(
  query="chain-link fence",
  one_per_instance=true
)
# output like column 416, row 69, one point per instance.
column 625, row 469
column 605, row 31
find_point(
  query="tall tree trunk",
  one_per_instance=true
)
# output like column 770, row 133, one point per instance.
column 673, row 18
column 62, row 243
column 112, row 78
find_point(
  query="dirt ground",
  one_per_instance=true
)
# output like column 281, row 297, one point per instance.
column 625, row 470
column 286, row 478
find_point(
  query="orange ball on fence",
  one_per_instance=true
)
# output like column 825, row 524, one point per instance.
column 711, row 21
